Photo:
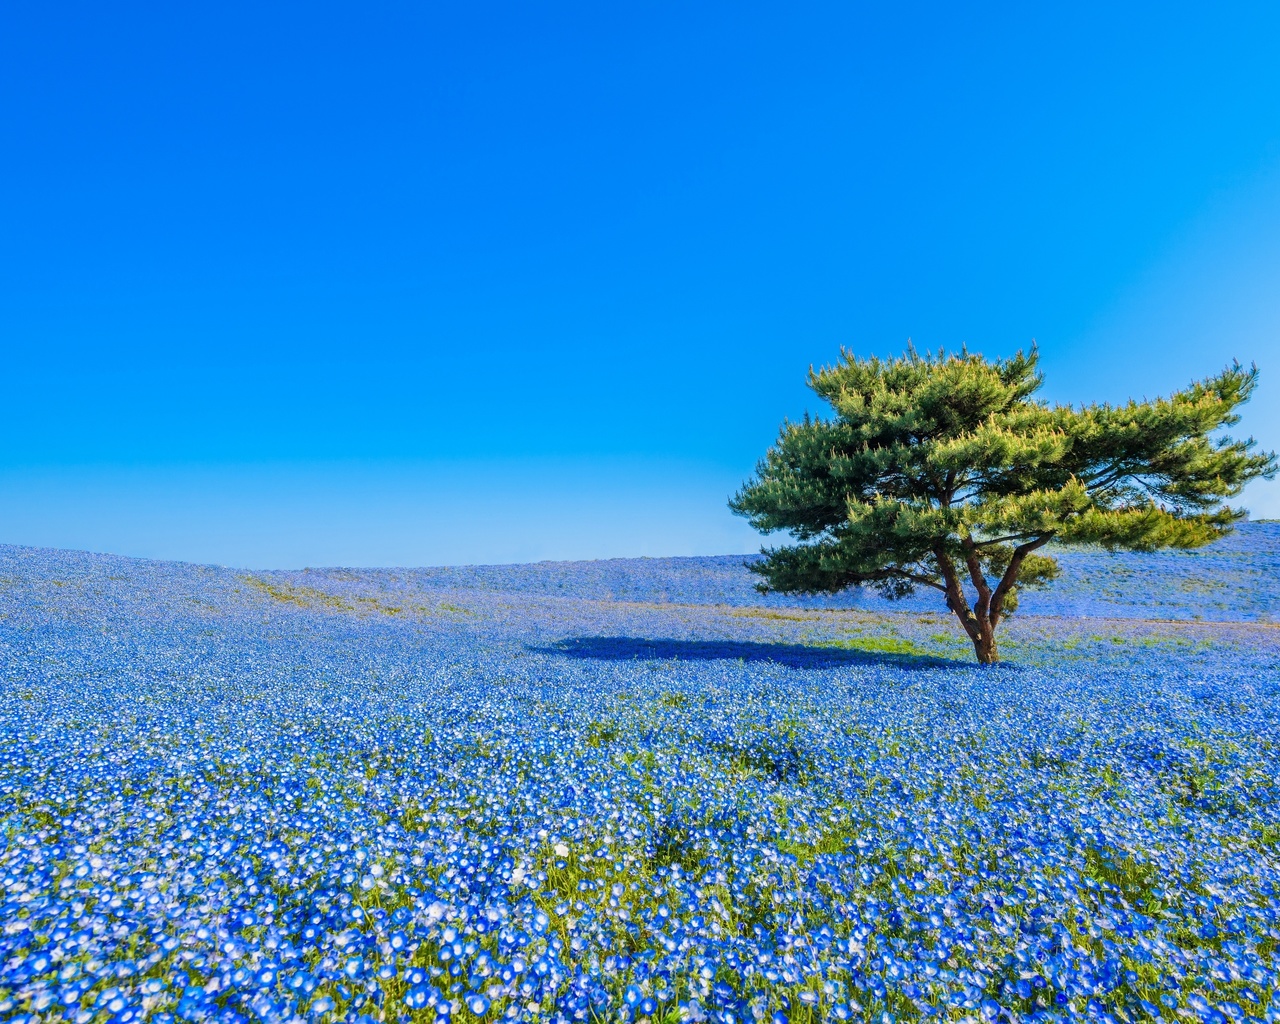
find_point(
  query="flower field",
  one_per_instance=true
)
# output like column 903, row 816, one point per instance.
column 634, row 791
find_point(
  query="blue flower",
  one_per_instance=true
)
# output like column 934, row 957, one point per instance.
column 200, row 770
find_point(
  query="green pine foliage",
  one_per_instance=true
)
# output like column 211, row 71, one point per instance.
column 946, row 472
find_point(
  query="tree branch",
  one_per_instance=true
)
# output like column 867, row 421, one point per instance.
column 977, row 576
column 1010, row 579
column 955, row 593
column 891, row 574
column 923, row 581
column 998, row 540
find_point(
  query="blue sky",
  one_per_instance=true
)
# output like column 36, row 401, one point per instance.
column 423, row 283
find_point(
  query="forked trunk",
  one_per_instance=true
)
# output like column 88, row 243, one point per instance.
column 978, row 622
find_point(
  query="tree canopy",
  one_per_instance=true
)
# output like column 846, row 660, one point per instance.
column 946, row 472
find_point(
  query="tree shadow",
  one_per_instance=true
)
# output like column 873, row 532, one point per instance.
column 630, row 648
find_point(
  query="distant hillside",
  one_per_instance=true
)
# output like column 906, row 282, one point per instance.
column 1235, row 579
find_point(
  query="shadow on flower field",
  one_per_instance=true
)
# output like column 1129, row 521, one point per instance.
column 630, row 648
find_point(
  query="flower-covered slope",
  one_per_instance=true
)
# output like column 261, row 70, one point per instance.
column 645, row 795
column 1237, row 578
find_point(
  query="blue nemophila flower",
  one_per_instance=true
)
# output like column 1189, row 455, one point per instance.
column 274, row 797
column 416, row 997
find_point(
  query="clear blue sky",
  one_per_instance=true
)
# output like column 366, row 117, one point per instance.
column 287, row 284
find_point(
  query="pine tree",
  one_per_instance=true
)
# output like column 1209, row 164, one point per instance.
column 945, row 472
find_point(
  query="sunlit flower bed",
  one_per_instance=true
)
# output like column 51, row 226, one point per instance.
column 384, row 796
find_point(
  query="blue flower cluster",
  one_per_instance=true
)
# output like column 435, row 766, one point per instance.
column 372, row 796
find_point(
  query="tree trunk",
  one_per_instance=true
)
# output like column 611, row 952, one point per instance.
column 985, row 644
column 977, row 622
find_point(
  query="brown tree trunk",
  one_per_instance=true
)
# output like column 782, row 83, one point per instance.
column 985, row 644
column 977, row 622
